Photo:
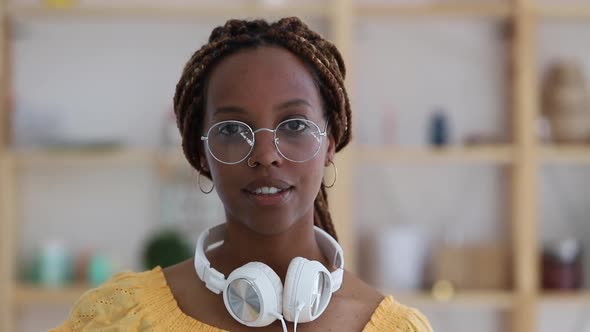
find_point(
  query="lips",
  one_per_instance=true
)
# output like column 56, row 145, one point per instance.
column 257, row 185
column 268, row 191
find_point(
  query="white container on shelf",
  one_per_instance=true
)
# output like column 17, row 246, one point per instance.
column 53, row 271
column 400, row 255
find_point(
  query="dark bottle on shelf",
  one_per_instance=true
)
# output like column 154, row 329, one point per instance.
column 562, row 266
column 439, row 129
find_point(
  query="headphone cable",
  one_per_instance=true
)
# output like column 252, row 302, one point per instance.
column 297, row 312
column 280, row 317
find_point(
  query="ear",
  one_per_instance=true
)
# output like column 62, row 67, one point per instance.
column 331, row 150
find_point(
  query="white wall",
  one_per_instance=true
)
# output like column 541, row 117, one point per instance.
column 409, row 67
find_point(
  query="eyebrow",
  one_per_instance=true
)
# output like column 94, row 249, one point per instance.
column 229, row 110
column 293, row 102
column 240, row 110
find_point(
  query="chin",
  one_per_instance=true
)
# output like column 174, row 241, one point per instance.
column 268, row 226
column 269, row 220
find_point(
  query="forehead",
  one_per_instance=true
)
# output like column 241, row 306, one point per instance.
column 259, row 79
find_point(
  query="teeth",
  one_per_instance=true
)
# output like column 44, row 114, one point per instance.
column 267, row 190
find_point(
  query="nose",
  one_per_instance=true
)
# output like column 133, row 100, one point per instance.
column 265, row 152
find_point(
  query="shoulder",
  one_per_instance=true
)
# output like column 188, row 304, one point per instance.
column 379, row 312
column 121, row 298
column 191, row 295
column 393, row 316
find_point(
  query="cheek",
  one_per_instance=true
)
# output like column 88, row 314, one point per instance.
column 223, row 177
column 315, row 173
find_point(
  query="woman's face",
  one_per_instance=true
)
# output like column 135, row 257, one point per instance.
column 263, row 87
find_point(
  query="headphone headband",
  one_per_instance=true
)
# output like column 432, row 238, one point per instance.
column 215, row 280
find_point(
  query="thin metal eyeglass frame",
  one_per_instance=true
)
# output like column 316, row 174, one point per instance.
column 275, row 139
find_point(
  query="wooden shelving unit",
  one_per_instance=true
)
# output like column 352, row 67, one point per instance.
column 379, row 154
column 581, row 297
column 93, row 158
column 496, row 300
column 565, row 154
column 523, row 156
column 457, row 155
column 198, row 11
column 565, row 12
column 31, row 294
column 432, row 10
column 524, row 172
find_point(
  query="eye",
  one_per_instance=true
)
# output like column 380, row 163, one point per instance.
column 295, row 125
column 230, row 129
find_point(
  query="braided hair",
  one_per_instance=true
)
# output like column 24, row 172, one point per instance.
column 321, row 57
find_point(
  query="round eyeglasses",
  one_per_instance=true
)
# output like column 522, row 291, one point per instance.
column 231, row 142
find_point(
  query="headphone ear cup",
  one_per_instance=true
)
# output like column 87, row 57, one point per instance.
column 308, row 283
column 293, row 273
column 254, row 294
column 275, row 280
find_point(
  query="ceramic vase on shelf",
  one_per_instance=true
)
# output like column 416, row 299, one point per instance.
column 566, row 103
column 399, row 257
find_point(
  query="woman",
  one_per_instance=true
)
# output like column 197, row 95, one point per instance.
column 262, row 109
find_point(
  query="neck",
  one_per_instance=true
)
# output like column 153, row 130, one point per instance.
column 243, row 245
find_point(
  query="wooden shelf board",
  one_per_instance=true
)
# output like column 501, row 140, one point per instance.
column 383, row 10
column 122, row 156
column 446, row 9
column 168, row 12
column 565, row 154
column 482, row 299
column 566, row 297
column 564, row 12
column 164, row 158
column 365, row 154
column 32, row 294
column 466, row 155
column 172, row 157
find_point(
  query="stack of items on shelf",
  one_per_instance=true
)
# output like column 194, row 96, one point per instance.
column 403, row 260
column 54, row 266
column 566, row 104
column 477, row 266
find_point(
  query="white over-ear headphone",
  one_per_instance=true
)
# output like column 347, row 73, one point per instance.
column 253, row 293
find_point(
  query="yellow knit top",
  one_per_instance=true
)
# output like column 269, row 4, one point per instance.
column 143, row 301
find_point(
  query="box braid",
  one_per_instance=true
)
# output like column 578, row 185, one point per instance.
column 321, row 57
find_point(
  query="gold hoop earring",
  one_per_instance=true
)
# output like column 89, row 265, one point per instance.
column 201, row 187
column 335, row 175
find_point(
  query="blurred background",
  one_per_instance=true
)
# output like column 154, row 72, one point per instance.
column 465, row 192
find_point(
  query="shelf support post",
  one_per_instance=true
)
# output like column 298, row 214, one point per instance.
column 525, row 177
